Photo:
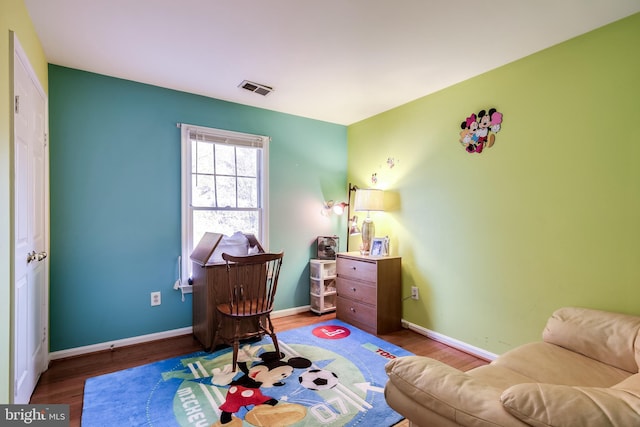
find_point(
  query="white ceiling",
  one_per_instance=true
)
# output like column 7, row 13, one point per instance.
column 339, row 61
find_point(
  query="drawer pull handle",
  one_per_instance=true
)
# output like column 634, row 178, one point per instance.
column 353, row 289
column 353, row 268
column 353, row 310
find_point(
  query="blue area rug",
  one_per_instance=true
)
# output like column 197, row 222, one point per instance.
column 332, row 375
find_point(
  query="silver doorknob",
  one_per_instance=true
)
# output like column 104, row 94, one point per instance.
column 31, row 256
column 42, row 255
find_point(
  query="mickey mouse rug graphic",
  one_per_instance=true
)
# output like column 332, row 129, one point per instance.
column 478, row 130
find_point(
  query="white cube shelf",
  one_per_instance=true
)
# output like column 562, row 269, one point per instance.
column 322, row 283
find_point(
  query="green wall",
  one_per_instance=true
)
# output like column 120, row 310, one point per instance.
column 13, row 18
column 547, row 217
column 115, row 200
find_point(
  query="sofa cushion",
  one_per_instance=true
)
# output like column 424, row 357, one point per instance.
column 499, row 377
column 548, row 363
column 611, row 338
column 544, row 405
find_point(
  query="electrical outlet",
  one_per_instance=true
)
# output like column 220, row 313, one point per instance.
column 414, row 292
column 156, row 298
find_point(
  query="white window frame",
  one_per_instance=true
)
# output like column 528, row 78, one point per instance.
column 229, row 137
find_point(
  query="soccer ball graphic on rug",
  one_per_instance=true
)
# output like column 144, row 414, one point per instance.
column 318, row 379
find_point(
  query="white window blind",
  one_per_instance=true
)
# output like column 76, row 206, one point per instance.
column 224, row 185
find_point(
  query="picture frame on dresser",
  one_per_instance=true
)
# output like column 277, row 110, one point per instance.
column 379, row 246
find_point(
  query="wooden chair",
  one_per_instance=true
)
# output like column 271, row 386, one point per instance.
column 250, row 290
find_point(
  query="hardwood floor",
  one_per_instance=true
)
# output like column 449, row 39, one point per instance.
column 64, row 381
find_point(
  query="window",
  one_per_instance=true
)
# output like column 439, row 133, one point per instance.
column 224, row 184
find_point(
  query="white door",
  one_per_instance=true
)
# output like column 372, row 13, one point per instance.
column 30, row 228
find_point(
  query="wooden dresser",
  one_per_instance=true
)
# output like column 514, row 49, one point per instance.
column 369, row 292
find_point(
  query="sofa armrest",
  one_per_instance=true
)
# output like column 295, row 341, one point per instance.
column 449, row 392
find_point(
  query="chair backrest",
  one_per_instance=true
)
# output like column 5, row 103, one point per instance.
column 252, row 282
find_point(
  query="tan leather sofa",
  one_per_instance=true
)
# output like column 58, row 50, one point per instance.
column 584, row 373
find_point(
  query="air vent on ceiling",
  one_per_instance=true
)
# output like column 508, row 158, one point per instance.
column 256, row 87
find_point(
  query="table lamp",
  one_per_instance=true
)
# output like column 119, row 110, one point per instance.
column 368, row 199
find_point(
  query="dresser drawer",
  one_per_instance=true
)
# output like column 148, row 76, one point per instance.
column 358, row 291
column 355, row 269
column 358, row 314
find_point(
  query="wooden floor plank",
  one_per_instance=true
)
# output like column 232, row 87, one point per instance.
column 64, row 381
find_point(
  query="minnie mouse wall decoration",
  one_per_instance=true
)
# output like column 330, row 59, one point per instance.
column 478, row 130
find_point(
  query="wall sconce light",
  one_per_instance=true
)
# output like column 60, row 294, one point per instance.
column 338, row 208
column 368, row 199
column 331, row 207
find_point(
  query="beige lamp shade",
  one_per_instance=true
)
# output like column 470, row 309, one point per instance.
column 369, row 199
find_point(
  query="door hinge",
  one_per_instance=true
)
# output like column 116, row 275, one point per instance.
column 46, row 139
column 17, row 104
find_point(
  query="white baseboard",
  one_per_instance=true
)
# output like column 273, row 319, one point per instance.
column 290, row 311
column 110, row 345
column 451, row 342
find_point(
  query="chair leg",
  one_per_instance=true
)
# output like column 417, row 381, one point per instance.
column 272, row 334
column 235, row 353
column 275, row 344
column 214, row 339
column 236, row 344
